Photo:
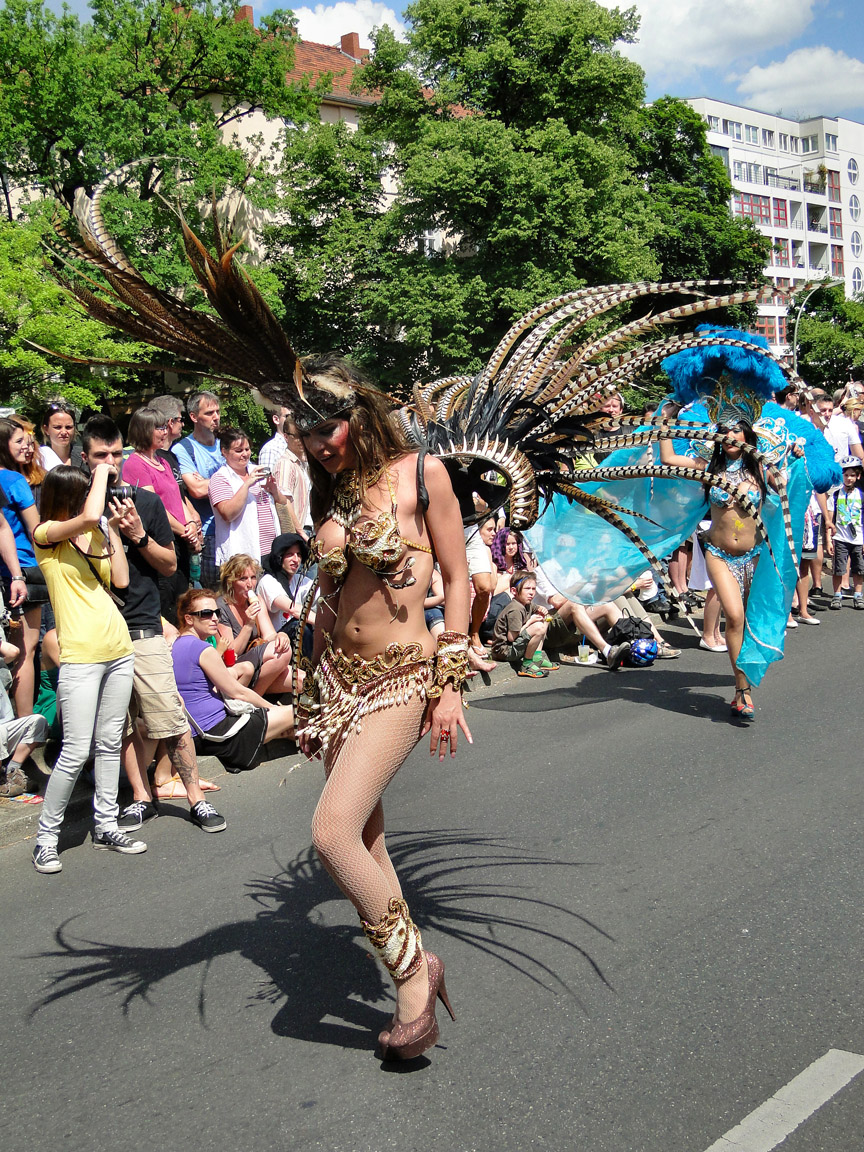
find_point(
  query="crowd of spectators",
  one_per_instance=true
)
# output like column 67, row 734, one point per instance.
column 195, row 559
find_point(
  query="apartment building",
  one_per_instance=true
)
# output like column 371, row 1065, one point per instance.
column 801, row 182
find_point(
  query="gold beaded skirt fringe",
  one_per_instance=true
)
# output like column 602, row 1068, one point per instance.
column 350, row 688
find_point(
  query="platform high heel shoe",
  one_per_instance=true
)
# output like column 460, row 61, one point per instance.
column 397, row 941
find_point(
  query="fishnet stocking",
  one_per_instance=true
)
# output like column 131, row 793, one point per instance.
column 348, row 825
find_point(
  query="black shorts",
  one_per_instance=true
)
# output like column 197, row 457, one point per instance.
column 854, row 553
column 242, row 751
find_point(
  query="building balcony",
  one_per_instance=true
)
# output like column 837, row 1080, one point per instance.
column 783, row 182
column 813, row 226
column 814, row 189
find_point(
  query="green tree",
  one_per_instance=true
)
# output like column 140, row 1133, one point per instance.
column 159, row 93
column 36, row 311
column 516, row 131
column 141, row 79
column 830, row 337
column 690, row 190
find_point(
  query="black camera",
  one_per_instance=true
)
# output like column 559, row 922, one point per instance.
column 119, row 492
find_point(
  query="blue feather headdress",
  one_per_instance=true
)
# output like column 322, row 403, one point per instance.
column 733, row 381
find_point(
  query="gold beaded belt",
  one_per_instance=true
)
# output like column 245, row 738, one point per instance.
column 348, row 688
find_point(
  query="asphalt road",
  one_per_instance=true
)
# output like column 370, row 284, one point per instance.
column 651, row 921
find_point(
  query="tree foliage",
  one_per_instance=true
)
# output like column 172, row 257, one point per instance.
column 690, row 190
column 141, row 79
column 516, row 131
column 36, row 311
column 158, row 93
column 830, row 337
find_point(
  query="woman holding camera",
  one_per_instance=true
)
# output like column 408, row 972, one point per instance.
column 244, row 497
column 81, row 555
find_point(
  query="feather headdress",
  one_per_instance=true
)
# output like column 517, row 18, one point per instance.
column 240, row 340
column 734, row 376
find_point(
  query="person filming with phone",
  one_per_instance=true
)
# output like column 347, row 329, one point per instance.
column 244, row 498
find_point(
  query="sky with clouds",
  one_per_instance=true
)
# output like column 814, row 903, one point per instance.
column 798, row 57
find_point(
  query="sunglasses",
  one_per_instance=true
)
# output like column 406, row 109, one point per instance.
column 202, row 613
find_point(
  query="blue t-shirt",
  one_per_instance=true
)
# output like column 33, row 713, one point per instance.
column 192, row 456
column 19, row 495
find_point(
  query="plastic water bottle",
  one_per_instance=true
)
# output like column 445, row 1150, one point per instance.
column 195, row 569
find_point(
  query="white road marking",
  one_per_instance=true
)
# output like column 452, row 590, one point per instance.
column 770, row 1123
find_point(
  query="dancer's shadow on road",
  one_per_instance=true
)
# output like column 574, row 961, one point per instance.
column 683, row 692
column 315, row 971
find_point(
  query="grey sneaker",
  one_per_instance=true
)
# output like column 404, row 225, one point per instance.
column 117, row 842
column 616, row 656
column 836, row 603
column 45, row 858
column 206, row 817
column 132, row 817
column 858, row 602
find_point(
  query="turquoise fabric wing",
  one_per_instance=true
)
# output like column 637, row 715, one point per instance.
column 771, row 591
column 589, row 560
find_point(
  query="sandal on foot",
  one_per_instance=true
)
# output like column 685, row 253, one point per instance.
column 175, row 789
column 740, row 707
column 541, row 660
column 529, row 668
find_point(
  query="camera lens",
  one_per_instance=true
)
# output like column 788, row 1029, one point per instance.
column 120, row 492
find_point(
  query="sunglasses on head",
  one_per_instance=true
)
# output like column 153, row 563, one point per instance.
column 202, row 613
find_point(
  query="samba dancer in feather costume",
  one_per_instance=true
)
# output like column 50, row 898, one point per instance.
column 382, row 506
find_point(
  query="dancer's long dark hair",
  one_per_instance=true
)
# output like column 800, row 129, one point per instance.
column 374, row 434
column 751, row 465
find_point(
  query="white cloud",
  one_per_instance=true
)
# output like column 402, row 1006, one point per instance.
column 327, row 23
column 810, row 81
column 677, row 38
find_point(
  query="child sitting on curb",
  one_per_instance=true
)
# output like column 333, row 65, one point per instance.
column 520, row 628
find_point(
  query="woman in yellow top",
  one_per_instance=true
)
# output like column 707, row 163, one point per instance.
column 81, row 555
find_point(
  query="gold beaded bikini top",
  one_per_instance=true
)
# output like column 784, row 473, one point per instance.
column 376, row 542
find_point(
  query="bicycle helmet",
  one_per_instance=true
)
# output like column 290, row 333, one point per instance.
column 643, row 652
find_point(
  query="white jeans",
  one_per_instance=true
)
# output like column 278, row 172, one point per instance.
column 92, row 700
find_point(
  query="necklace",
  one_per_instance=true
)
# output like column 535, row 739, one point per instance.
column 348, row 498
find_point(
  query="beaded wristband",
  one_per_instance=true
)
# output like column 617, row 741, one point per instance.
column 451, row 663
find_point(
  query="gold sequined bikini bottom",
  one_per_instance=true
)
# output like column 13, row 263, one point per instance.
column 350, row 688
